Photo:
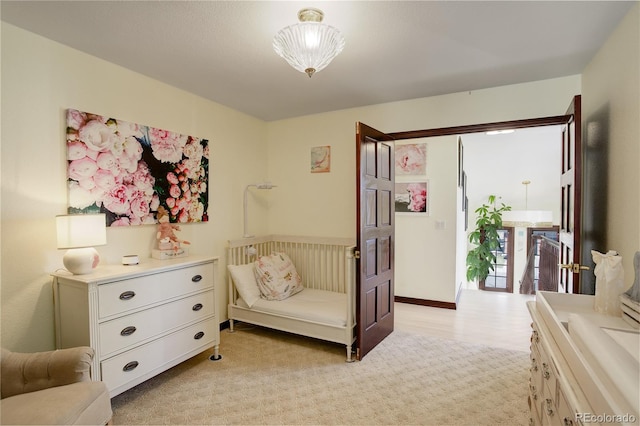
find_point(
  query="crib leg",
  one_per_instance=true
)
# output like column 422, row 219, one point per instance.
column 349, row 359
column 231, row 326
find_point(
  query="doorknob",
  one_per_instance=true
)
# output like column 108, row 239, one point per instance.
column 574, row 267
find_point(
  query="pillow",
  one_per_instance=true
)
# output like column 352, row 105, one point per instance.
column 245, row 281
column 277, row 277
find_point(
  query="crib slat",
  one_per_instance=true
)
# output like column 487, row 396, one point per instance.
column 320, row 261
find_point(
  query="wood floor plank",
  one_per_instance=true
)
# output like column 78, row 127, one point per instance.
column 488, row 318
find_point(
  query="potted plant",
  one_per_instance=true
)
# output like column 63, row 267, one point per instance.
column 481, row 258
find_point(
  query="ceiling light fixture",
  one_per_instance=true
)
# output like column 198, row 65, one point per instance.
column 310, row 45
column 528, row 218
column 500, row 132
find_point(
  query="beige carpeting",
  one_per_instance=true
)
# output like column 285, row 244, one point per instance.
column 272, row 378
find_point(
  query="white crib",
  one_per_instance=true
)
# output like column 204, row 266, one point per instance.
column 327, row 268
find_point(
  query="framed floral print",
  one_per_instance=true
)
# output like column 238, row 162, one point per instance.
column 411, row 159
column 321, row 159
column 412, row 197
column 128, row 171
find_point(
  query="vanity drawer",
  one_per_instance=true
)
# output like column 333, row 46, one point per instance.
column 132, row 329
column 151, row 357
column 122, row 296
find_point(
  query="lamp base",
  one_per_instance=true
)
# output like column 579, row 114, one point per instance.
column 81, row 261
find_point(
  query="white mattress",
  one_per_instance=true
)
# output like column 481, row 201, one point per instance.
column 322, row 306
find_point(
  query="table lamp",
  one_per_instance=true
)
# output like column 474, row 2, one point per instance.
column 79, row 233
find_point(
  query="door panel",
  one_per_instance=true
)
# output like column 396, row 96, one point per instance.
column 571, row 202
column 375, row 222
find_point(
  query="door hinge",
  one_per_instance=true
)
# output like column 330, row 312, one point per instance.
column 574, row 267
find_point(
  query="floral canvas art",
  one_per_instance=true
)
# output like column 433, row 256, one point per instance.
column 321, row 159
column 128, row 171
column 411, row 159
column 411, row 197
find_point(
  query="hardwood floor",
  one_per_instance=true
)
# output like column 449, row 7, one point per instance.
column 484, row 317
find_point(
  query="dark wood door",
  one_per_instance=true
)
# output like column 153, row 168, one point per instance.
column 571, row 183
column 375, row 241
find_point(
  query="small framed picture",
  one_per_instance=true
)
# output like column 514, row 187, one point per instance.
column 460, row 162
column 320, row 159
column 412, row 197
column 411, row 159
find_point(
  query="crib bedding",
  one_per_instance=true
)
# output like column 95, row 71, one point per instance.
column 323, row 310
column 313, row 305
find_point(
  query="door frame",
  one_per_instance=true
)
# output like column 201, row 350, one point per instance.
column 483, row 127
column 473, row 128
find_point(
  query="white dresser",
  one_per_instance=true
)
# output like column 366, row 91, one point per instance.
column 584, row 365
column 140, row 319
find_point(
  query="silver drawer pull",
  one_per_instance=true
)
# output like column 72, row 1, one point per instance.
column 549, row 404
column 532, row 388
column 196, row 278
column 199, row 335
column 130, row 366
column 545, row 370
column 128, row 331
column 127, row 295
column 197, row 306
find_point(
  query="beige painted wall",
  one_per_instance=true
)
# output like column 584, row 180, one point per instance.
column 325, row 204
column 40, row 79
column 420, row 239
column 611, row 82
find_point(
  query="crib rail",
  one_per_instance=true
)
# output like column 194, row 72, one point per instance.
column 322, row 262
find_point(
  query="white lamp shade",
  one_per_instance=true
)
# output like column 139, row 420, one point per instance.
column 81, row 230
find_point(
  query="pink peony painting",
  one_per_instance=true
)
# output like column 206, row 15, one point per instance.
column 411, row 197
column 411, row 159
column 128, row 171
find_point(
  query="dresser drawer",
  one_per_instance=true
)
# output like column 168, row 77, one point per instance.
column 122, row 296
column 138, row 362
column 132, row 329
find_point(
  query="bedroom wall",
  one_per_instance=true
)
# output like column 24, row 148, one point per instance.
column 325, row 204
column 611, row 101
column 40, row 79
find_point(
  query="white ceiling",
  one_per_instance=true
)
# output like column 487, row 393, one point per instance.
column 395, row 50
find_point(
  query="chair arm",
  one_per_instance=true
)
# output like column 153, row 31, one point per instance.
column 29, row 372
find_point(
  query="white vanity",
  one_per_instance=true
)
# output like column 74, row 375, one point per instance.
column 585, row 366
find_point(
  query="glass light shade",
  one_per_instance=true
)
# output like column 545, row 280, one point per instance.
column 308, row 46
column 528, row 218
column 80, row 233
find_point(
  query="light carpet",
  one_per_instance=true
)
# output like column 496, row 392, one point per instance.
column 271, row 378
